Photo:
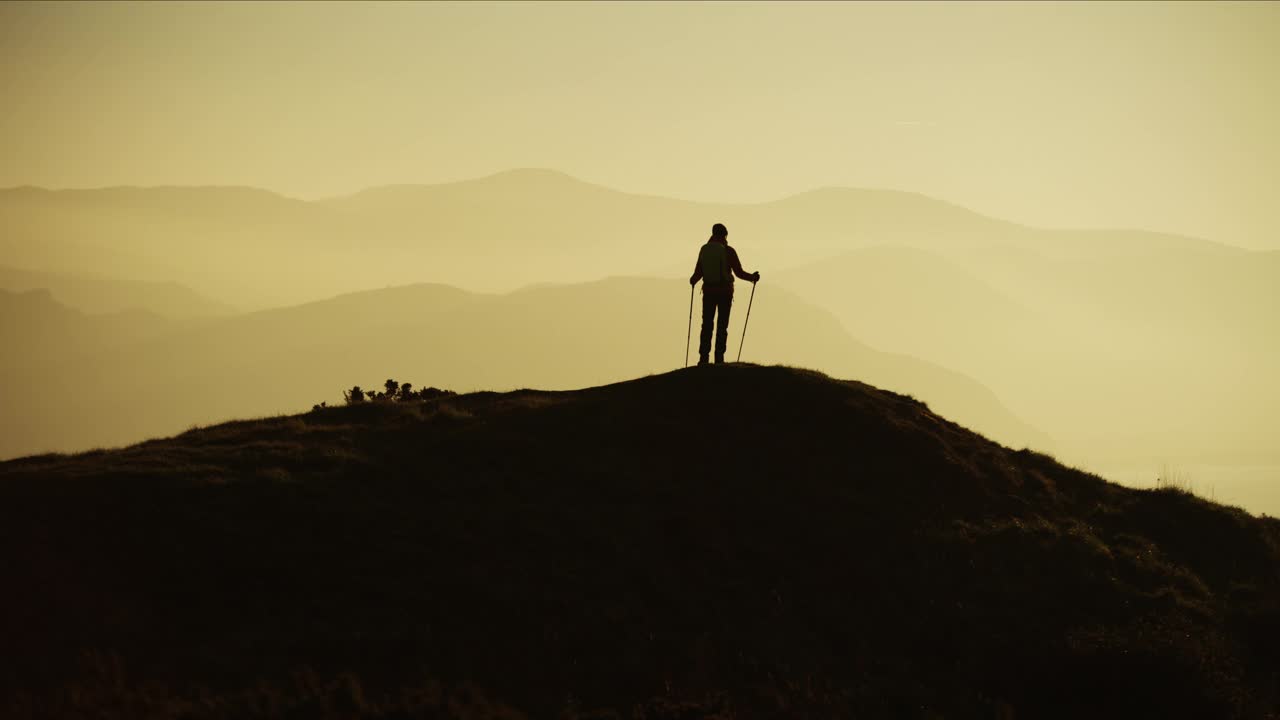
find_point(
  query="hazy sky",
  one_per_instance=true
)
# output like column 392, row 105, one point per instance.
column 1162, row 116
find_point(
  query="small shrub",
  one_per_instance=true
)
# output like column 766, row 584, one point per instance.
column 432, row 393
column 393, row 392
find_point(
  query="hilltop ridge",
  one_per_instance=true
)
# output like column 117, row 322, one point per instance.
column 551, row 337
column 737, row 541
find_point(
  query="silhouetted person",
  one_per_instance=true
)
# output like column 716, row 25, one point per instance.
column 717, row 264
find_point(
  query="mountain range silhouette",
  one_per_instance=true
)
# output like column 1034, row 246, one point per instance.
column 156, row 376
column 1116, row 346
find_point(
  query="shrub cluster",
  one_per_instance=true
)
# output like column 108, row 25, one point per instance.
column 392, row 391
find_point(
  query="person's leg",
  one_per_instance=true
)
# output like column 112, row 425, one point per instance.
column 708, row 320
column 722, row 325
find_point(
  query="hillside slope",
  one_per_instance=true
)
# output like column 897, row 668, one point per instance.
column 735, row 541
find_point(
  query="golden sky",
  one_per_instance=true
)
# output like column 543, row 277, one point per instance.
column 1152, row 115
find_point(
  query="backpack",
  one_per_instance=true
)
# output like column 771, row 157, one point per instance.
column 713, row 258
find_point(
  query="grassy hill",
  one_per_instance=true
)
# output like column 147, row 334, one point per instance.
column 736, row 541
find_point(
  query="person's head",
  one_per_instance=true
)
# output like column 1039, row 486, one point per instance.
column 719, row 232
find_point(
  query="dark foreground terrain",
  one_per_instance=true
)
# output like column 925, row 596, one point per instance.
column 727, row 542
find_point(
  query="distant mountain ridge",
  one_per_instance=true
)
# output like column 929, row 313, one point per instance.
column 38, row 331
column 550, row 337
column 240, row 245
column 543, row 220
column 98, row 294
column 1149, row 344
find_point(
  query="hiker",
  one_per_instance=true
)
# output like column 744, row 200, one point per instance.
column 717, row 264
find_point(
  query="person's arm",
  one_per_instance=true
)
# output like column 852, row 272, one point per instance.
column 737, row 268
column 697, row 273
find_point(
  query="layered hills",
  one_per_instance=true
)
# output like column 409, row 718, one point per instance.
column 254, row 248
column 553, row 337
column 735, row 541
column 99, row 294
column 1116, row 356
column 1124, row 347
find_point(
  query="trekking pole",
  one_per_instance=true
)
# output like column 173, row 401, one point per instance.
column 689, row 334
column 747, row 320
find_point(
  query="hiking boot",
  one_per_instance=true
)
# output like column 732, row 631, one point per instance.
column 702, row 359
column 719, row 359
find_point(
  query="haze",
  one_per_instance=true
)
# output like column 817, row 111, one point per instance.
column 1158, row 116
column 1055, row 223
